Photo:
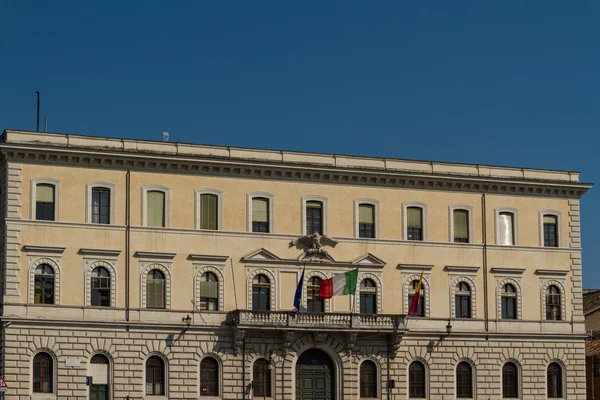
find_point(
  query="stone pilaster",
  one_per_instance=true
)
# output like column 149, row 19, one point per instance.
column 11, row 240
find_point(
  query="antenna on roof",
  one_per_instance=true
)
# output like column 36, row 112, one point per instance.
column 38, row 111
column 165, row 136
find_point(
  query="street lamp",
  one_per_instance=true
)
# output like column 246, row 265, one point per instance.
column 187, row 320
column 449, row 328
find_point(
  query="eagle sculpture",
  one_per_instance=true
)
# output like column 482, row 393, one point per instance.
column 313, row 244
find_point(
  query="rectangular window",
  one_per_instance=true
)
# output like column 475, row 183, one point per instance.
column 414, row 223
column 260, row 215
column 314, row 211
column 506, row 234
column 461, row 226
column 366, row 221
column 155, row 298
column 156, row 209
column 44, row 202
column 550, row 231
column 209, row 296
column 208, row 212
column 100, row 205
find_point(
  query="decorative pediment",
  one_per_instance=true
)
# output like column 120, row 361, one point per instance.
column 208, row 258
column 261, row 255
column 369, row 260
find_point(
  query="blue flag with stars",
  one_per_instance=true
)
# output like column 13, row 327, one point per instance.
column 298, row 295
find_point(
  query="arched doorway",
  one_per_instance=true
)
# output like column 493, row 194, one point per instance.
column 315, row 376
column 100, row 374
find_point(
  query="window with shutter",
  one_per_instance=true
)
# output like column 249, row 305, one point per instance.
column 461, row 226
column 260, row 215
column 414, row 223
column 44, row 206
column 209, row 292
column 155, row 289
column 366, row 221
column 209, row 212
column 156, row 208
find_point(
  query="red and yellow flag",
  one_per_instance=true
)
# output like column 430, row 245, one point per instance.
column 414, row 305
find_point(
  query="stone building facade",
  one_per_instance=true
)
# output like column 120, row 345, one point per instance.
column 151, row 270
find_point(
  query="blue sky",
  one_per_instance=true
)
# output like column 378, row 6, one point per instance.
column 509, row 83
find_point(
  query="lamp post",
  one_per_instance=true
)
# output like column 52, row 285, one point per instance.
column 187, row 321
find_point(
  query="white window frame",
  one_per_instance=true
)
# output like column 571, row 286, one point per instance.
column 471, row 282
column 273, row 287
column 45, row 396
column 166, row 377
column 323, row 200
column 515, row 227
column 379, row 292
column 49, row 181
column 423, row 208
column 220, row 292
column 157, row 188
column 377, row 375
column 519, row 296
column 469, row 209
column 357, row 204
column 271, row 199
column 558, row 216
column 219, row 194
column 88, row 193
column 166, row 271
column 424, row 288
column 88, row 282
column 52, row 261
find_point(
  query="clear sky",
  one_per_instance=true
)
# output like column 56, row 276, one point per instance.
column 511, row 83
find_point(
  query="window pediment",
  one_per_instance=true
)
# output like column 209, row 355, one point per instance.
column 261, row 255
column 369, row 260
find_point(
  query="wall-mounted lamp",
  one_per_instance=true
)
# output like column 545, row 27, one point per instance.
column 449, row 328
column 430, row 346
column 187, row 320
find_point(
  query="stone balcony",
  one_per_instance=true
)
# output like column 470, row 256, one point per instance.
column 291, row 324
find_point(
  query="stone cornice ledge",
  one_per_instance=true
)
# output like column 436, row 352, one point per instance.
column 154, row 255
column 99, row 252
column 551, row 272
column 459, row 269
column 206, row 258
column 43, row 249
column 415, row 267
column 507, row 271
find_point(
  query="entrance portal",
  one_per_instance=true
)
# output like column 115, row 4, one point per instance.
column 315, row 376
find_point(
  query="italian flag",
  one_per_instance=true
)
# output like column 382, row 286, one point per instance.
column 339, row 285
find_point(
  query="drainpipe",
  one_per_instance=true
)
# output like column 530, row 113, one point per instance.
column 485, row 265
column 127, row 241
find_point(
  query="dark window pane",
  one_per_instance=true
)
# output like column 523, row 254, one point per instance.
column 43, row 379
column 45, row 199
column 416, row 380
column 314, row 303
column 550, row 231
column 464, row 381
column 368, row 380
column 510, row 381
column 554, row 381
column 261, row 293
column 44, row 285
column 209, row 377
column 100, row 205
column 314, row 213
column 155, row 376
column 261, row 379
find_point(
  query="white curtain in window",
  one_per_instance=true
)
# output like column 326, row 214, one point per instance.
column 260, row 210
column 209, row 289
column 366, row 214
column 45, row 193
column 505, row 231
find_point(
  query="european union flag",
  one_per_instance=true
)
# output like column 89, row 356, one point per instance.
column 298, row 295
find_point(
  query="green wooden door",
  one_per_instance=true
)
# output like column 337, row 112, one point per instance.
column 314, row 376
column 99, row 392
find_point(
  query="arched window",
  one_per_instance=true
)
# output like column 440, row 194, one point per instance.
column 463, row 300
column 209, row 377
column 368, row 380
column 314, row 217
column 464, row 381
column 553, row 303
column 43, row 373
column 366, row 221
column 314, row 303
column 209, row 292
column 261, row 379
column 155, row 376
column 414, row 223
column 261, row 293
column 368, row 297
column 510, row 381
column 550, row 231
column 44, row 202
column 99, row 371
column 44, row 284
column 100, row 287
column 155, row 289
column 416, row 380
column 509, row 302
column 555, row 390
column 411, row 295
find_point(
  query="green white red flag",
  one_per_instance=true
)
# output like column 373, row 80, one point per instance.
column 339, row 285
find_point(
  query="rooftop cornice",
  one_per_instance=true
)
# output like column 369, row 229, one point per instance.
column 32, row 147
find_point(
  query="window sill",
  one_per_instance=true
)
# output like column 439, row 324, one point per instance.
column 43, row 396
column 153, row 397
